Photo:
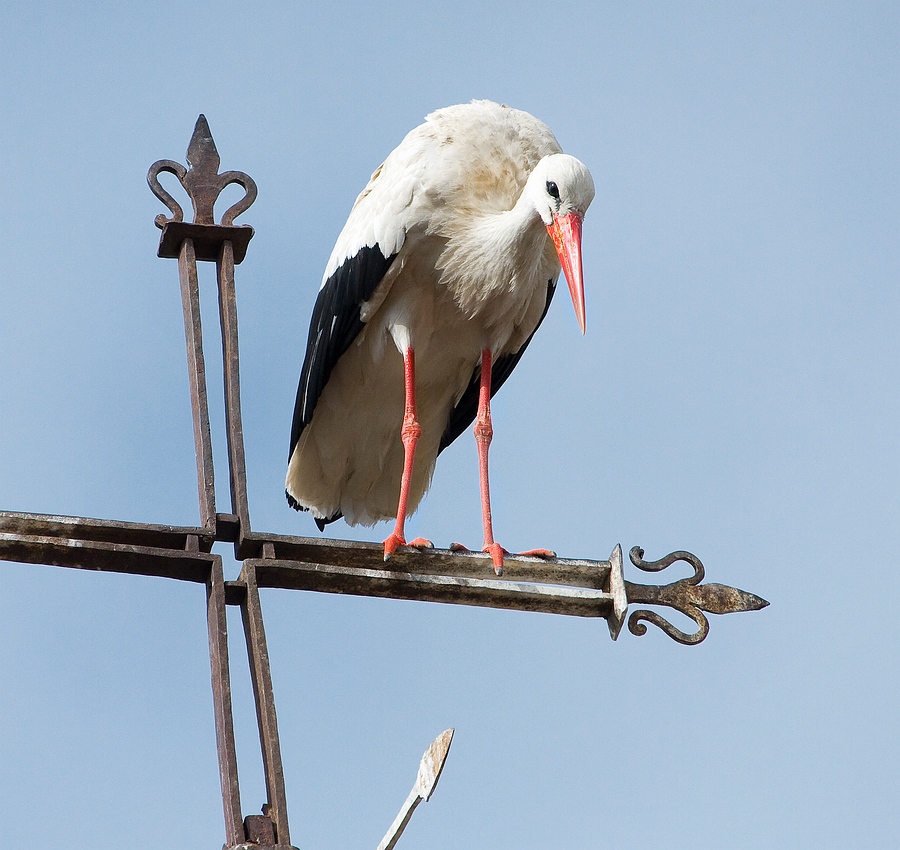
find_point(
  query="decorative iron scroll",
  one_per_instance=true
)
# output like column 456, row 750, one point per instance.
column 686, row 595
column 201, row 181
column 203, row 184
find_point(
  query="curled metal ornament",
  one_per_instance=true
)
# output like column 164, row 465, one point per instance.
column 201, row 181
column 686, row 595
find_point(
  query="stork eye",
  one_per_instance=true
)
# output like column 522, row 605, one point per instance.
column 552, row 189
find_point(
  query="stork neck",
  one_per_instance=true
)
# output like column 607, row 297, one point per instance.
column 491, row 261
column 520, row 230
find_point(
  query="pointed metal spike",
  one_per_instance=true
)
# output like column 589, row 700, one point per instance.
column 432, row 764
column 203, row 184
column 201, row 153
column 721, row 599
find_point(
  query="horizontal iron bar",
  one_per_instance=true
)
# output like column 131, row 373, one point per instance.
column 106, row 530
column 104, row 556
column 351, row 554
column 459, row 590
column 340, row 553
column 208, row 239
column 572, row 586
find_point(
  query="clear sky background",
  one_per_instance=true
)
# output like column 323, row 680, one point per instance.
column 736, row 395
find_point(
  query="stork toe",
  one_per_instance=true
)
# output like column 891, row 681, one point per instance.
column 395, row 541
column 543, row 554
column 495, row 550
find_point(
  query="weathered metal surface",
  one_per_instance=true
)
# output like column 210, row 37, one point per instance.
column 616, row 619
column 576, row 587
column 231, row 369
column 193, row 334
column 396, row 584
column 564, row 586
column 264, row 697
column 106, row 557
column 107, row 530
column 432, row 764
column 346, row 553
column 259, row 830
column 224, row 720
column 207, row 240
column 228, row 528
column 687, row 596
column 202, row 182
column 226, row 245
column 430, row 768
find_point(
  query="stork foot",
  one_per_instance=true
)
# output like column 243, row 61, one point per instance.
column 392, row 544
column 497, row 553
column 495, row 550
column 395, row 541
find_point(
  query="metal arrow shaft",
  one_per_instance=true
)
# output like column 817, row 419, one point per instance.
column 392, row 836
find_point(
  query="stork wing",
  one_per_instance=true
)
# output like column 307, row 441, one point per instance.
column 376, row 230
column 466, row 409
column 335, row 324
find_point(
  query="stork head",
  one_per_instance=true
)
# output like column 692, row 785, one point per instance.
column 561, row 189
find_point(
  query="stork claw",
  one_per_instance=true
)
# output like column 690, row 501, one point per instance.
column 395, row 541
column 392, row 544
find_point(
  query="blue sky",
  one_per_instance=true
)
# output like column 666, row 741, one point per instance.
column 736, row 395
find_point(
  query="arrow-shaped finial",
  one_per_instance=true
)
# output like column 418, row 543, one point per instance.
column 201, row 153
column 201, row 181
column 430, row 768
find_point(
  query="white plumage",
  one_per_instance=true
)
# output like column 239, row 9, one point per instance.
column 445, row 255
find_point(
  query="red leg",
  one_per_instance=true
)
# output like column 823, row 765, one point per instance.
column 409, row 434
column 484, row 432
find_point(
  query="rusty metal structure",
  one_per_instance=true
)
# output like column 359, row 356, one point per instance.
column 585, row 588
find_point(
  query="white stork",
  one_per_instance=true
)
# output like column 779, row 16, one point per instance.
column 439, row 279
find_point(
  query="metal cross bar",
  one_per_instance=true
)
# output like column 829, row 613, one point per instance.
column 586, row 588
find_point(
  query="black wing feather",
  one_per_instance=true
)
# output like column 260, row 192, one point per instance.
column 466, row 408
column 334, row 325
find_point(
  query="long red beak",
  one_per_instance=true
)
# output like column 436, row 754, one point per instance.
column 566, row 234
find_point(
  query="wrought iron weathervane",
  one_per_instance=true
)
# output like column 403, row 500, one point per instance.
column 585, row 588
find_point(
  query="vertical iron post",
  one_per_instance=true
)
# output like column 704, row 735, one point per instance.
column 234, row 429
column 226, row 245
column 190, row 297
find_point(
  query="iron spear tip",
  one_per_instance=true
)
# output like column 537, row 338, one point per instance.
column 201, row 152
column 432, row 764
